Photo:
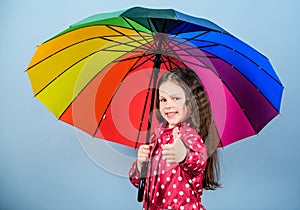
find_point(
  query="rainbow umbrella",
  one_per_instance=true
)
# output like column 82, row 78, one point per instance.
column 99, row 74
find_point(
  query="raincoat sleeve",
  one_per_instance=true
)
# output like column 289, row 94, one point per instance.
column 196, row 158
column 134, row 175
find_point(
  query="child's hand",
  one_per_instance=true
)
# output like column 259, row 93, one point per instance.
column 143, row 155
column 176, row 152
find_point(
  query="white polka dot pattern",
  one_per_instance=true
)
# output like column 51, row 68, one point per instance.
column 175, row 186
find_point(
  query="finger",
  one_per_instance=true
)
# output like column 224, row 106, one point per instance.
column 142, row 146
column 167, row 151
column 171, row 160
column 143, row 158
column 145, row 149
column 167, row 147
column 145, row 146
column 177, row 140
column 143, row 155
column 175, row 133
column 168, row 156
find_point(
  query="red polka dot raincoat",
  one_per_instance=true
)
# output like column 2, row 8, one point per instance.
column 173, row 186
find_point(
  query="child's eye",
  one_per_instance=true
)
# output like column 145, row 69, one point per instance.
column 176, row 98
column 162, row 100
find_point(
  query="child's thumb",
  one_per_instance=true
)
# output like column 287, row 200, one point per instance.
column 176, row 134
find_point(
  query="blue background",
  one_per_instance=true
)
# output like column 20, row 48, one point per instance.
column 44, row 166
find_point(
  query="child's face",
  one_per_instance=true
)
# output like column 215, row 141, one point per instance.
column 172, row 103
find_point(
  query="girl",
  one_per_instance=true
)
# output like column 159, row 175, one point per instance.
column 182, row 155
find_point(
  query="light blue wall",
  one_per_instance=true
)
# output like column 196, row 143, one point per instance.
column 43, row 165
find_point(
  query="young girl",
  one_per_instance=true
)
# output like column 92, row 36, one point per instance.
column 182, row 154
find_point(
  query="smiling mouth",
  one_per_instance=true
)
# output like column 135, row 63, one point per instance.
column 171, row 114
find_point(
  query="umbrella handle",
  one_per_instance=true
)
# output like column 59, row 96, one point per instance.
column 142, row 182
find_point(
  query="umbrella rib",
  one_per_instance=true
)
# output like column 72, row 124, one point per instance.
column 143, row 37
column 127, row 59
column 164, row 25
column 216, row 73
column 141, row 50
column 228, row 47
column 175, row 36
column 247, row 116
column 193, row 38
column 182, row 29
column 104, row 113
column 196, row 57
column 187, row 50
column 81, row 92
column 122, row 43
column 237, row 101
column 135, row 67
column 151, row 29
column 81, row 41
column 154, row 44
column 197, row 64
column 155, row 25
column 64, row 71
column 144, row 110
column 170, row 61
column 240, row 73
column 142, row 44
column 150, row 26
column 175, row 26
column 192, row 46
column 187, row 61
column 164, row 63
column 241, row 105
column 124, row 34
column 261, row 68
column 218, row 44
column 179, row 43
column 129, row 70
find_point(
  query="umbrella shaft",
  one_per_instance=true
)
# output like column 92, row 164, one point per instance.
column 156, row 68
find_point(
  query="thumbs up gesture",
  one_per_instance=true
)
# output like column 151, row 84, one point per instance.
column 175, row 152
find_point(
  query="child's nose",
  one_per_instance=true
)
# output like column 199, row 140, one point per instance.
column 169, row 104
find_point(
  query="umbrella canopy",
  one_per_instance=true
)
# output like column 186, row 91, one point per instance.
column 99, row 74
